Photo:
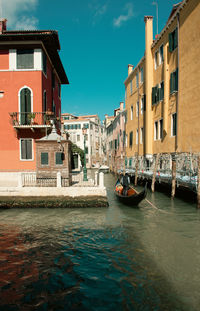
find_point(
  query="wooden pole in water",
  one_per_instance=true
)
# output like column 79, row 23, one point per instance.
column 173, row 176
column 198, row 184
column 154, row 173
column 136, row 170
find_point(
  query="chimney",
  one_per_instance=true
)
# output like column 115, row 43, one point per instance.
column 130, row 69
column 2, row 25
column 121, row 106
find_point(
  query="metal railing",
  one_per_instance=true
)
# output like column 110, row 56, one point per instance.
column 32, row 118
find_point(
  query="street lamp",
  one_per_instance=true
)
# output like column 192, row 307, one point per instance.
column 84, row 131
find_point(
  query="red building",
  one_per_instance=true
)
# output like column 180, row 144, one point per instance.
column 31, row 74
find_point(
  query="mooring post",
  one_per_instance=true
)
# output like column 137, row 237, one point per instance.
column 59, row 183
column 198, row 184
column 101, row 179
column 136, row 170
column 173, row 175
column 154, row 173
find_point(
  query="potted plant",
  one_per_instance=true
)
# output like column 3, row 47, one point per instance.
column 31, row 117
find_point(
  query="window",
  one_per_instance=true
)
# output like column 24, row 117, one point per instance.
column 124, row 137
column 141, row 75
column 44, row 63
column 59, row 158
column 156, row 130
column 131, row 87
column 44, row 158
column 25, row 59
column 156, row 60
column 130, row 139
column 173, row 124
column 174, row 81
column 86, row 125
column 130, row 162
column 78, row 137
column 173, row 40
column 137, row 109
column 131, row 112
column 160, row 128
column 137, row 80
column 137, row 137
column 161, row 91
column 26, row 149
column 161, row 56
column 142, row 104
column 86, row 137
column 141, row 135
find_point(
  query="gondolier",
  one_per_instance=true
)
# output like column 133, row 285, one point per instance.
column 125, row 182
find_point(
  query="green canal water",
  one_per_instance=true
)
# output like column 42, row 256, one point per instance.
column 116, row 258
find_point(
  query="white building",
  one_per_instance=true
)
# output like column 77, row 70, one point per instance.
column 73, row 126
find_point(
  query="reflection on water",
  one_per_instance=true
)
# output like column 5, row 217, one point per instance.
column 116, row 258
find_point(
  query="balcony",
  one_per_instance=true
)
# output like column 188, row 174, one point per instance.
column 32, row 120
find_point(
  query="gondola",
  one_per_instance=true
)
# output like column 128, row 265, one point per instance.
column 132, row 198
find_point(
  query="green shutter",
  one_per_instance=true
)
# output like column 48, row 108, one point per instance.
column 25, row 105
column 29, row 149
column 171, row 83
column 170, row 42
column 44, row 158
column 176, row 80
column 59, row 158
column 175, row 38
column 153, row 95
column 23, row 149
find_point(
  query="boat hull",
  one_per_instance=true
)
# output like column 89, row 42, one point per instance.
column 132, row 200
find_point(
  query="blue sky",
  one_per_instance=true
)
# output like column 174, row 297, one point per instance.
column 98, row 38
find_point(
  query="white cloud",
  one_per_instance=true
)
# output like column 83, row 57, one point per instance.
column 117, row 22
column 17, row 12
column 98, row 10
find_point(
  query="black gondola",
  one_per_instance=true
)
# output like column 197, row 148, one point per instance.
column 130, row 199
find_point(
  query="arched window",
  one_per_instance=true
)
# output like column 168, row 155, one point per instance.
column 25, row 105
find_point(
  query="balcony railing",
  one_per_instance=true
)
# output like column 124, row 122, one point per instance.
column 32, row 119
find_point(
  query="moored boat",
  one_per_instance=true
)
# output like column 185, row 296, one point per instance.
column 132, row 198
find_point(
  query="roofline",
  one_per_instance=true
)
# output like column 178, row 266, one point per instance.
column 50, row 43
column 136, row 67
column 169, row 22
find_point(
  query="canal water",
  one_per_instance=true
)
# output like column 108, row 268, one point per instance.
column 116, row 258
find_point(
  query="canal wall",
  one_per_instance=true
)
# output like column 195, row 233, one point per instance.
column 90, row 193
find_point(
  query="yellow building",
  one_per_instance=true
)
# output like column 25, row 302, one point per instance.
column 171, row 82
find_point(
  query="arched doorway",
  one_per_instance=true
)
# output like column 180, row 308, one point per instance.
column 25, row 105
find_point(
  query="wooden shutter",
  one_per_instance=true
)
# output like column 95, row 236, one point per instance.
column 175, row 38
column 44, row 158
column 25, row 105
column 28, row 149
column 176, row 80
column 171, row 82
column 23, row 149
column 170, row 42
column 153, row 95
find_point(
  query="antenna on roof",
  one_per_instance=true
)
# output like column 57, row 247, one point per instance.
column 156, row 4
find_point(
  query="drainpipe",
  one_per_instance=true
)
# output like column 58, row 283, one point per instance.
column 177, row 98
